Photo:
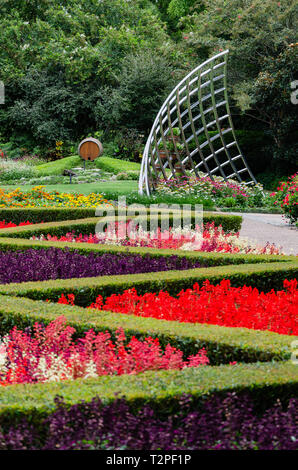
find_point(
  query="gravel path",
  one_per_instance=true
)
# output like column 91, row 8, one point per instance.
column 271, row 228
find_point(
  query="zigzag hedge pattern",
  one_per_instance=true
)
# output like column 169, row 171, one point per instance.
column 263, row 368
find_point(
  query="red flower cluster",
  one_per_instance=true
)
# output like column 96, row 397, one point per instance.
column 4, row 224
column 287, row 197
column 222, row 304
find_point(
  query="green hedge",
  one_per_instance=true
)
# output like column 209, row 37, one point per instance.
column 37, row 215
column 84, row 226
column 223, row 344
column 44, row 214
column 207, row 259
column 264, row 276
column 162, row 390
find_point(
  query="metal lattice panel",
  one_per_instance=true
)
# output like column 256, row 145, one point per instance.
column 197, row 105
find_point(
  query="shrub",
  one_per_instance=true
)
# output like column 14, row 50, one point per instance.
column 224, row 344
column 220, row 192
column 143, row 82
column 229, row 223
column 287, row 197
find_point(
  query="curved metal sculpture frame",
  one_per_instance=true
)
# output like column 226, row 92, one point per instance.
column 179, row 142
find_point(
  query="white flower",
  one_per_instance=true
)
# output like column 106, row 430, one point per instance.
column 56, row 371
column 3, row 359
column 91, row 370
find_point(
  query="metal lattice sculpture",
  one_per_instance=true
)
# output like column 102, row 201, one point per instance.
column 180, row 142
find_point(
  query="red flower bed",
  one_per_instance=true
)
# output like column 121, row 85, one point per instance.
column 218, row 305
column 4, row 224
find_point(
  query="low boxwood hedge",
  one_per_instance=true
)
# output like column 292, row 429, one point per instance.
column 209, row 259
column 223, row 344
column 37, row 215
column 263, row 276
column 162, row 390
column 44, row 214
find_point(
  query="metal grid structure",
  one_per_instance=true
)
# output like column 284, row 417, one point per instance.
column 196, row 106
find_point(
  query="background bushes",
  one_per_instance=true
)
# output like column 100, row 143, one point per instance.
column 74, row 70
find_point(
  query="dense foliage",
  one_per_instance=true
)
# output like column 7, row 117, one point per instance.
column 75, row 68
column 61, row 61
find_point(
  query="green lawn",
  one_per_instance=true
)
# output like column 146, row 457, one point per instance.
column 120, row 187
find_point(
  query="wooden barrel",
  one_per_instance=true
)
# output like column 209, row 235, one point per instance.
column 90, row 149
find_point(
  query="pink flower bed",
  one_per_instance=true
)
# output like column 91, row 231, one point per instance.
column 211, row 239
column 50, row 354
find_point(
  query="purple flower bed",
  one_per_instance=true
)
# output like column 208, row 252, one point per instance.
column 56, row 263
column 228, row 423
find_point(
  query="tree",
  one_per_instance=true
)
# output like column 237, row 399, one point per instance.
column 143, row 84
column 79, row 48
column 261, row 36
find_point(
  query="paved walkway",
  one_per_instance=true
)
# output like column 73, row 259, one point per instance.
column 272, row 228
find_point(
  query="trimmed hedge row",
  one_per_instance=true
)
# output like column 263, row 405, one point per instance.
column 263, row 276
column 162, row 390
column 211, row 259
column 84, row 226
column 37, row 215
column 44, row 214
column 222, row 343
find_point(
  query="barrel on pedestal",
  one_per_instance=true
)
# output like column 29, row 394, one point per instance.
column 90, row 149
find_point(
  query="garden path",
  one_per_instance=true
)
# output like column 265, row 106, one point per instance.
column 271, row 228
